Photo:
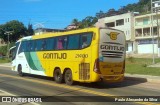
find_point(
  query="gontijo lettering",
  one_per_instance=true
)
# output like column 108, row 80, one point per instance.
column 55, row 55
column 113, row 48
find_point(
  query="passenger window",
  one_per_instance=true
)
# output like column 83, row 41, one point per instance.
column 32, row 46
column 44, row 44
column 22, row 47
column 39, row 43
column 49, row 43
column 61, row 43
column 85, row 40
column 73, row 42
column 52, row 43
column 28, row 46
column 35, row 45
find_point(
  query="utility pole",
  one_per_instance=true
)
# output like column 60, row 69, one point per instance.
column 8, row 33
column 158, row 32
column 157, row 8
column 152, row 31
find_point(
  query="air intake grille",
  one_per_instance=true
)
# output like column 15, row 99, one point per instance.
column 112, row 54
column 84, row 71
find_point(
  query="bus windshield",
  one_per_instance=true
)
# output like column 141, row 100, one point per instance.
column 13, row 51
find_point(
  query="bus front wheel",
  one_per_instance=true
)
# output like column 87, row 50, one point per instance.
column 58, row 76
column 68, row 77
column 20, row 73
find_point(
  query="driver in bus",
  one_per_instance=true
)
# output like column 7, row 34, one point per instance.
column 84, row 42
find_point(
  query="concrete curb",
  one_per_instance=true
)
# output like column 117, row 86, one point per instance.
column 143, row 78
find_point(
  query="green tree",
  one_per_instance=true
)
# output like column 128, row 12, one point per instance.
column 100, row 14
column 89, row 21
column 16, row 28
column 75, row 21
column 143, row 6
column 30, row 29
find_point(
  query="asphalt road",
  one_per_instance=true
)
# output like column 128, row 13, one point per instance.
column 31, row 85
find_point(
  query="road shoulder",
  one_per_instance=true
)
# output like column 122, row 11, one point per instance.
column 144, row 78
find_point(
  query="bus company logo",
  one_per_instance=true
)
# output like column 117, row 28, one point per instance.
column 113, row 35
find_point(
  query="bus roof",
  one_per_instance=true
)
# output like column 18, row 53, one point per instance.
column 51, row 34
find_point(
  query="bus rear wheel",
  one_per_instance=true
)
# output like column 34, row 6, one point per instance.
column 68, row 77
column 20, row 73
column 58, row 76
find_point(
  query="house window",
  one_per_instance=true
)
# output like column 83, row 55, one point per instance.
column 126, row 46
column 145, row 21
column 138, row 32
column 111, row 24
column 120, row 22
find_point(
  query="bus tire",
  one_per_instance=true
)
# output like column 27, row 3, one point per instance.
column 58, row 75
column 68, row 77
column 20, row 73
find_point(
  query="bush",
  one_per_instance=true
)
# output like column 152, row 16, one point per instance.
column 144, row 65
column 3, row 49
column 131, row 59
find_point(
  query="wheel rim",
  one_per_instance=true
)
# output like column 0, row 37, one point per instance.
column 58, row 76
column 20, row 70
column 68, row 77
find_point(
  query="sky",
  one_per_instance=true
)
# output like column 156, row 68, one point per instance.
column 55, row 14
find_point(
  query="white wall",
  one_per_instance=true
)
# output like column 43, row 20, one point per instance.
column 127, row 28
column 100, row 23
column 147, row 48
column 130, row 47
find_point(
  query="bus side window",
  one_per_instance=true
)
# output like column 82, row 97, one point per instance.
column 28, row 45
column 44, row 45
column 52, row 44
column 39, row 44
column 32, row 45
column 85, row 40
column 35, row 45
column 65, row 42
column 61, row 43
column 22, row 47
column 73, row 42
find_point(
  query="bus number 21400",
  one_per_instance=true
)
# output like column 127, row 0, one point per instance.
column 81, row 56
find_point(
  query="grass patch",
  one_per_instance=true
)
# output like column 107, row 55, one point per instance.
column 139, row 66
column 4, row 60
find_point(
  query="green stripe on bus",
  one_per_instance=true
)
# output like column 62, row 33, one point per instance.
column 33, row 61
